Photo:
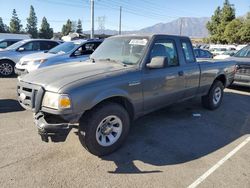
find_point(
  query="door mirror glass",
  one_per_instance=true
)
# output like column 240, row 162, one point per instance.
column 78, row 53
column 21, row 49
column 158, row 62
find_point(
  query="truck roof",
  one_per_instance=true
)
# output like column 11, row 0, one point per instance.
column 150, row 35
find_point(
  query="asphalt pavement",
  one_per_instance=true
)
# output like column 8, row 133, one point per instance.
column 168, row 148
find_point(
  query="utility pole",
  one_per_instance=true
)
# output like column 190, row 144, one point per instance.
column 120, row 22
column 92, row 19
column 181, row 27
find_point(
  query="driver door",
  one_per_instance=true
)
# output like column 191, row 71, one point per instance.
column 163, row 86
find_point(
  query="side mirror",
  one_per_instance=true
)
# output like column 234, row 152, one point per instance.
column 158, row 62
column 77, row 53
column 21, row 49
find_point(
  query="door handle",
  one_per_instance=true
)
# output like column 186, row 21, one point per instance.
column 181, row 73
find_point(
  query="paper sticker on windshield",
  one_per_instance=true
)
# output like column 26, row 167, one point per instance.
column 141, row 42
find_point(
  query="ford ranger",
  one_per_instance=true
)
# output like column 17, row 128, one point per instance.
column 126, row 77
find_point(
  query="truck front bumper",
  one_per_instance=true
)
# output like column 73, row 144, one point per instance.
column 57, row 132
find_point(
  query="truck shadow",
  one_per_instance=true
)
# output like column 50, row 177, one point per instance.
column 240, row 88
column 9, row 105
column 173, row 135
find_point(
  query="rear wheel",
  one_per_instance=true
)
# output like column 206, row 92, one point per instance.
column 214, row 97
column 6, row 68
column 104, row 129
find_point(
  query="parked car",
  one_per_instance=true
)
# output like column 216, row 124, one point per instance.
column 7, row 42
column 218, row 49
column 202, row 54
column 14, row 36
column 13, row 53
column 126, row 77
column 225, row 55
column 78, row 50
column 242, row 58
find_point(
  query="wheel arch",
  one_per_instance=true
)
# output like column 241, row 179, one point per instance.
column 222, row 78
column 7, row 59
column 120, row 99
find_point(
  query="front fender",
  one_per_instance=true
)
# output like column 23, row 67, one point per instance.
column 109, row 94
column 7, row 58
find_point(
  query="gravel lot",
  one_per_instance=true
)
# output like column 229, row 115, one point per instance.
column 167, row 148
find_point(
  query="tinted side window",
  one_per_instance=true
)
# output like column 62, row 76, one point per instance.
column 165, row 48
column 11, row 42
column 88, row 48
column 47, row 45
column 3, row 44
column 204, row 54
column 97, row 44
column 188, row 51
column 31, row 46
column 196, row 52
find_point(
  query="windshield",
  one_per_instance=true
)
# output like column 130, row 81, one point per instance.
column 15, row 45
column 64, row 48
column 244, row 52
column 127, row 50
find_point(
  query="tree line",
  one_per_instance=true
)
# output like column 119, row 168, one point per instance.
column 225, row 28
column 45, row 31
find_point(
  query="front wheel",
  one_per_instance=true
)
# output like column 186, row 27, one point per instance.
column 104, row 129
column 214, row 97
column 6, row 68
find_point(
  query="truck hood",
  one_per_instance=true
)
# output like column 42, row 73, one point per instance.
column 38, row 56
column 240, row 60
column 55, row 77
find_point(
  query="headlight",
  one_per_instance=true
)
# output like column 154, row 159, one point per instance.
column 38, row 61
column 56, row 101
column 23, row 62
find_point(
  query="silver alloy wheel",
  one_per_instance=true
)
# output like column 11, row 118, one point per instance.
column 109, row 130
column 217, row 95
column 6, row 69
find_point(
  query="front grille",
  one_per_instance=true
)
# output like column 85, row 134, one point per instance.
column 244, row 70
column 28, row 95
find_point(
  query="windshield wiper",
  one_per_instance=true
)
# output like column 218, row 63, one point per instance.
column 50, row 52
column 115, row 61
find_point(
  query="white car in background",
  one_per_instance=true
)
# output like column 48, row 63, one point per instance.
column 218, row 49
column 225, row 55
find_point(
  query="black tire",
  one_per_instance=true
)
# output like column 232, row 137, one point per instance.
column 90, row 123
column 7, row 68
column 209, row 101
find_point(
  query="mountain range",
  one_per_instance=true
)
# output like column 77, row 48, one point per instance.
column 188, row 26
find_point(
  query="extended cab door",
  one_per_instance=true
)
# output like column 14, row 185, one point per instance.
column 191, row 69
column 164, row 85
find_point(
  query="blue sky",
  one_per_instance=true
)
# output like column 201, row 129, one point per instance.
column 136, row 13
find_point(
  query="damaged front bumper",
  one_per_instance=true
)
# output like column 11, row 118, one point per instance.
column 56, row 131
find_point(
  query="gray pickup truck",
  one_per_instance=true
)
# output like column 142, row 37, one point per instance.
column 126, row 77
